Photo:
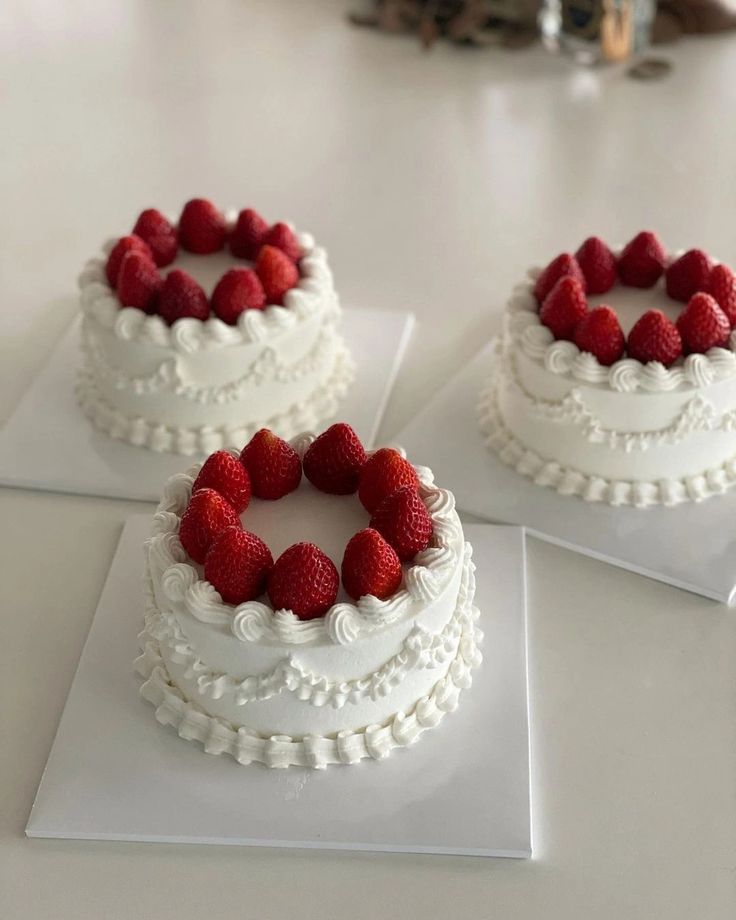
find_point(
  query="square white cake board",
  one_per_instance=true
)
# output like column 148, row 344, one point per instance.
column 49, row 444
column 691, row 546
column 114, row 773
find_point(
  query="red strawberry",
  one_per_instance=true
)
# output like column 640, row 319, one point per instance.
column 159, row 234
column 181, row 297
column 239, row 289
column 383, row 473
column 248, row 235
column 599, row 332
column 560, row 267
column 283, row 238
column 642, row 262
column 598, row 264
column 370, row 566
column 564, row 307
column 333, row 461
column 201, row 227
column 304, row 581
column 654, row 338
column 207, row 515
column 237, row 564
column 688, row 275
column 722, row 287
column 277, row 272
column 226, row 475
column 123, row 246
column 703, row 325
column 138, row 282
column 403, row 520
column 273, row 465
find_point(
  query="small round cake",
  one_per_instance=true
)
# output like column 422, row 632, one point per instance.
column 615, row 376
column 241, row 331
column 307, row 603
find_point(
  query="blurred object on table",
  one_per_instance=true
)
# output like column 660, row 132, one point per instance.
column 597, row 31
column 508, row 23
column 692, row 17
column 513, row 23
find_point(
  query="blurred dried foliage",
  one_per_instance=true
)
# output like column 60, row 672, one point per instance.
column 512, row 23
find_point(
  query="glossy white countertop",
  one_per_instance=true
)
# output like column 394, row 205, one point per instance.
column 433, row 180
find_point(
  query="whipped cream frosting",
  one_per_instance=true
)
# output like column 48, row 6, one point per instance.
column 195, row 386
column 367, row 677
column 629, row 434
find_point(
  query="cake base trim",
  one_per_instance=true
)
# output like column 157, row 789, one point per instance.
column 346, row 747
column 569, row 481
column 321, row 404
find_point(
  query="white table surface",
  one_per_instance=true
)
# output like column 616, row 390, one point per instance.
column 433, row 180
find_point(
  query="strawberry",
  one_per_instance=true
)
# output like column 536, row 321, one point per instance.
column 654, row 338
column 403, row 520
column 560, row 267
column 273, row 465
column 207, row 515
column 248, row 235
column 564, row 307
column 181, row 297
column 703, row 325
column 159, row 234
column 201, row 227
column 237, row 565
column 139, row 282
column 277, row 272
column 598, row 264
column 239, row 289
column 123, row 246
column 304, row 581
column 333, row 461
column 370, row 566
column 283, row 238
column 722, row 287
column 383, row 473
column 642, row 262
column 226, row 475
column 599, row 332
column 688, row 275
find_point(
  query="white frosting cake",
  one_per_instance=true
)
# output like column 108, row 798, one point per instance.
column 195, row 386
column 267, row 687
column 629, row 434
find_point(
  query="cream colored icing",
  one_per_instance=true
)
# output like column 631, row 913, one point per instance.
column 197, row 386
column 374, row 741
column 254, row 621
column 264, row 687
column 566, row 480
column 309, row 412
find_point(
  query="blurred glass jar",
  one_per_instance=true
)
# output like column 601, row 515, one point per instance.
column 597, row 31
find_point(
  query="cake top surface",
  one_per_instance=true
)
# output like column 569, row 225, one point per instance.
column 206, row 280
column 350, row 547
column 630, row 318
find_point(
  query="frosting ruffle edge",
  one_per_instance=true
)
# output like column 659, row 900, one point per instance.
column 346, row 747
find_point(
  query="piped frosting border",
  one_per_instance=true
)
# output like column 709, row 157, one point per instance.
column 625, row 376
column 346, row 747
column 569, row 481
column 313, row 293
column 321, row 403
column 186, row 592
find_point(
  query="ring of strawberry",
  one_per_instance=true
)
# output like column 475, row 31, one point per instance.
column 303, row 579
column 202, row 229
column 563, row 289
